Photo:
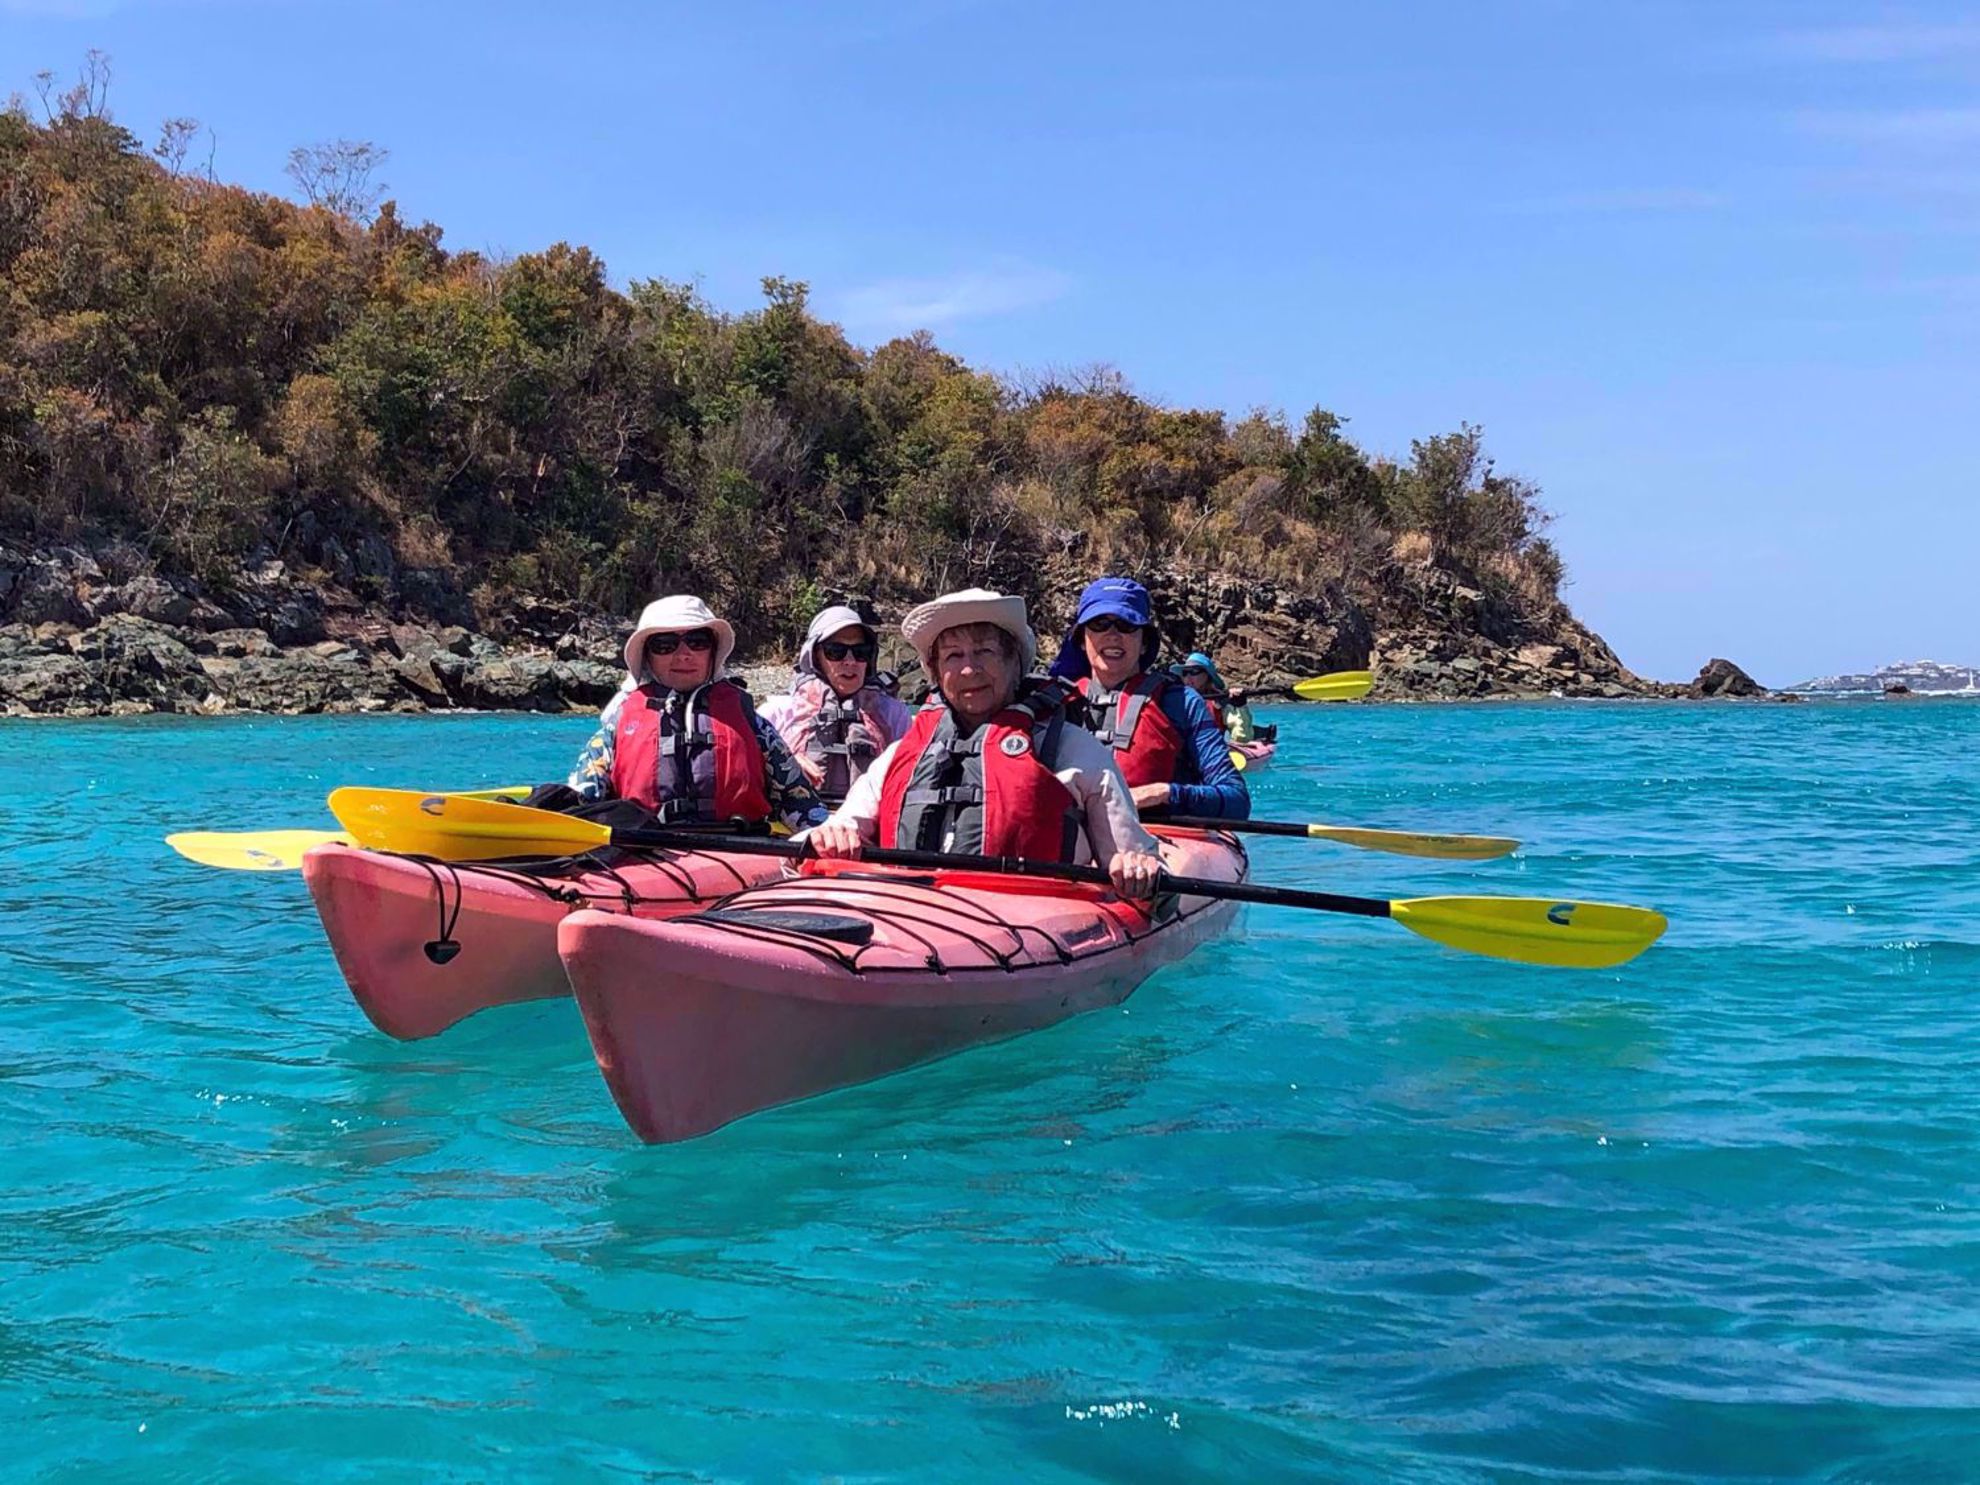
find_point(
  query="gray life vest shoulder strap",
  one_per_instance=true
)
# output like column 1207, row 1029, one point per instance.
column 687, row 753
column 943, row 809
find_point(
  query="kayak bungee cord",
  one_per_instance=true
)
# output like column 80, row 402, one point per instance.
column 532, row 874
column 790, row 899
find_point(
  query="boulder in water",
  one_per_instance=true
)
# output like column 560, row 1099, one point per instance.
column 1723, row 678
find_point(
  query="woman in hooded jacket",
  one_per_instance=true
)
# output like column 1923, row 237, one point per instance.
column 681, row 739
column 837, row 720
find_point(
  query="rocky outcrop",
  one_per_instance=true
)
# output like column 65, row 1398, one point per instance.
column 1425, row 634
column 124, row 664
column 98, row 632
column 1723, row 678
column 92, row 632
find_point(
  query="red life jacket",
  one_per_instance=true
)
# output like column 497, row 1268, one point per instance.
column 1146, row 744
column 990, row 794
column 690, row 756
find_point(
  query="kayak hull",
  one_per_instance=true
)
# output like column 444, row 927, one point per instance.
column 1252, row 755
column 698, row 1022
column 392, row 919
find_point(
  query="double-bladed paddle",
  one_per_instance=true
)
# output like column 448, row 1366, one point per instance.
column 1580, row 935
column 281, row 850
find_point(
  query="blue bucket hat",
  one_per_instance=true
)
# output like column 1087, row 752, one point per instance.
column 1124, row 598
column 1196, row 659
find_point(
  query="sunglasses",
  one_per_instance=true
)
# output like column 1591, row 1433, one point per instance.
column 1109, row 624
column 701, row 641
column 1194, row 670
column 833, row 649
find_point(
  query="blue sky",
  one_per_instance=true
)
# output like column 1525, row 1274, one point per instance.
column 1705, row 271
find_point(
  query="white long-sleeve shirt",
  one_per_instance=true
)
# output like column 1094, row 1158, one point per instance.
column 1085, row 766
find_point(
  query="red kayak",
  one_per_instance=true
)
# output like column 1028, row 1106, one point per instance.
column 837, row 977
column 425, row 943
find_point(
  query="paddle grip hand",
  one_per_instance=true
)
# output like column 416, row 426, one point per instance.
column 835, row 838
column 1136, row 874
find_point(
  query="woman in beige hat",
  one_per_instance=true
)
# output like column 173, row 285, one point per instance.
column 682, row 740
column 993, row 768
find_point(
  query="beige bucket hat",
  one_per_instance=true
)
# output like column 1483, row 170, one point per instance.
column 971, row 606
column 676, row 614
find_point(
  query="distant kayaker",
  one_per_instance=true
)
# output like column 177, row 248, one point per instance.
column 1170, row 749
column 837, row 719
column 993, row 767
column 682, row 741
column 1226, row 707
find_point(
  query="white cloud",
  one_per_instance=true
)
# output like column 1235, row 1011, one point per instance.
column 895, row 305
column 1868, row 44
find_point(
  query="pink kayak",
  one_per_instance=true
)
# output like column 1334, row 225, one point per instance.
column 1245, row 757
column 423, row 943
column 826, row 980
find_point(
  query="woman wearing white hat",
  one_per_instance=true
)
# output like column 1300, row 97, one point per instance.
column 682, row 740
column 836, row 720
column 993, row 768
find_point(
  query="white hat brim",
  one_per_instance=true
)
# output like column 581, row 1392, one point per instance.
column 924, row 624
column 678, row 623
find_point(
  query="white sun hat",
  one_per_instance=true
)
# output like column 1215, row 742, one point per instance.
column 925, row 624
column 676, row 614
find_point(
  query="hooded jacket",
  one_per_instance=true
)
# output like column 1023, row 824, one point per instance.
column 834, row 739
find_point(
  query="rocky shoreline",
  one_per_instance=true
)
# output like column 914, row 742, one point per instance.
column 96, row 633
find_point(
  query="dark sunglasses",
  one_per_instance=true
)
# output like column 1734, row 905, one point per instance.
column 701, row 641
column 833, row 649
column 1194, row 670
column 1109, row 624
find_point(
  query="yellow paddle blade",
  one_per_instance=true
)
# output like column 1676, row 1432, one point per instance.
column 456, row 827
column 252, row 850
column 1239, row 761
column 1410, row 843
column 1534, row 930
column 1342, row 685
column 507, row 791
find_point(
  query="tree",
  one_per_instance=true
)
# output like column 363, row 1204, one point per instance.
column 87, row 98
column 338, row 176
column 175, row 138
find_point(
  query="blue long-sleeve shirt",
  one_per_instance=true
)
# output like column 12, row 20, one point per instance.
column 1217, row 789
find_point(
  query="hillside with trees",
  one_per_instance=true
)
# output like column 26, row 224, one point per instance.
column 247, row 404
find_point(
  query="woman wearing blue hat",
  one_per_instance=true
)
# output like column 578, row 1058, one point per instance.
column 1170, row 749
column 1199, row 672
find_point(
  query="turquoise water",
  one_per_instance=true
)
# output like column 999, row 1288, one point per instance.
column 1324, row 1201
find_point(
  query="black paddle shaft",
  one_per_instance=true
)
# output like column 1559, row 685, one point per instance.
column 1015, row 866
column 1236, row 827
